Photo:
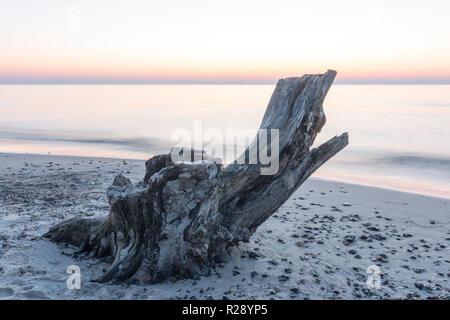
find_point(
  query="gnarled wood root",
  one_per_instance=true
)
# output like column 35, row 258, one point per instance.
column 184, row 218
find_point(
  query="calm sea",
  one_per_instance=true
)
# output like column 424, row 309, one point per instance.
column 399, row 134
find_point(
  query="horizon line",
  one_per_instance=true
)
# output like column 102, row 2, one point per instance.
column 399, row 81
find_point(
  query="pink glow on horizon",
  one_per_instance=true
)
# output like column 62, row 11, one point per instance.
column 121, row 69
column 93, row 68
column 211, row 75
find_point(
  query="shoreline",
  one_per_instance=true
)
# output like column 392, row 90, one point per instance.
column 318, row 245
column 313, row 177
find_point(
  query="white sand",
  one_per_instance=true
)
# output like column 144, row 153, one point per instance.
column 38, row 191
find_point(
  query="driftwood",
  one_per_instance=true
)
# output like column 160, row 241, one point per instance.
column 184, row 218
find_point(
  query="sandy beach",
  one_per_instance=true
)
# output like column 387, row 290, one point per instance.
column 318, row 245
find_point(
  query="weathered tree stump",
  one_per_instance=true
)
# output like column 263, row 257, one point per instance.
column 184, row 218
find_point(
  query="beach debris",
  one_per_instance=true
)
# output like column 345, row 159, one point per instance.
column 300, row 244
column 253, row 255
column 348, row 239
column 347, row 204
column 382, row 258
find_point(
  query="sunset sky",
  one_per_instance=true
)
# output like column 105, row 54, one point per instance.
column 104, row 41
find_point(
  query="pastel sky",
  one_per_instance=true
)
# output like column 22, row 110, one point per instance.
column 110, row 41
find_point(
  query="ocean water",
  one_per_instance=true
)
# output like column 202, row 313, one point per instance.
column 399, row 134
